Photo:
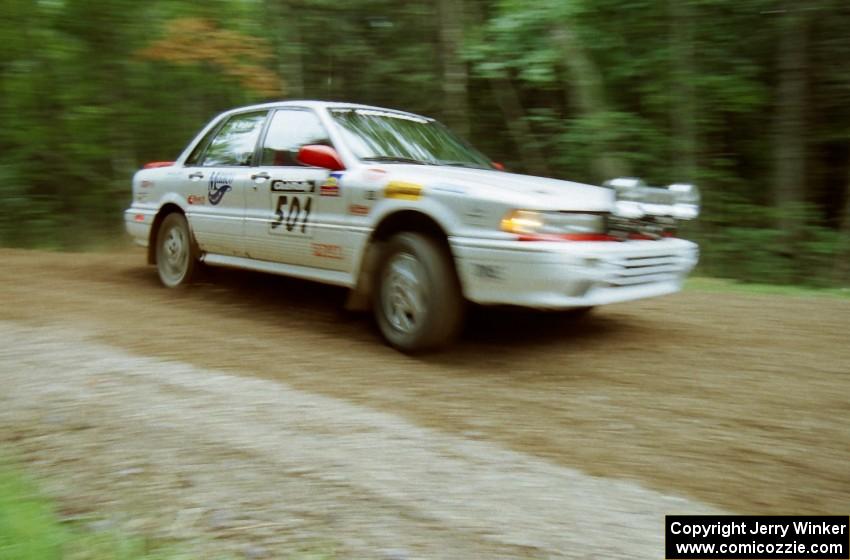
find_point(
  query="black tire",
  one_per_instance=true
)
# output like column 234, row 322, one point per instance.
column 417, row 300
column 176, row 252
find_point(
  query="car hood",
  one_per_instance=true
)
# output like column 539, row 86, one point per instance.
column 534, row 193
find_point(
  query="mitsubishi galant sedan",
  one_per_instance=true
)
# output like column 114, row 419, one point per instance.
column 406, row 215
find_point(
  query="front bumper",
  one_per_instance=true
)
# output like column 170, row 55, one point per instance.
column 569, row 274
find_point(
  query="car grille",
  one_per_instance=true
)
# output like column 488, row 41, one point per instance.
column 652, row 227
column 635, row 270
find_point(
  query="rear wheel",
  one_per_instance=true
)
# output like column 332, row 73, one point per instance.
column 417, row 299
column 176, row 252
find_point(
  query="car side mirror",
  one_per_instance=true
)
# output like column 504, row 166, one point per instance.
column 318, row 155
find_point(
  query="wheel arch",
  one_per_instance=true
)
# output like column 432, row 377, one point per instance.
column 166, row 209
column 412, row 221
column 402, row 220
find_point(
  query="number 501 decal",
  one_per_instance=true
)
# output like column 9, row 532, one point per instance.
column 292, row 213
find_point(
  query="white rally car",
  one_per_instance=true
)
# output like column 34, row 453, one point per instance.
column 410, row 218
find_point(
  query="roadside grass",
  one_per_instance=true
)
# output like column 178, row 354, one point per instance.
column 30, row 529
column 720, row 285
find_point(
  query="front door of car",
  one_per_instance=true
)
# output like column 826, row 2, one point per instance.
column 295, row 213
column 215, row 182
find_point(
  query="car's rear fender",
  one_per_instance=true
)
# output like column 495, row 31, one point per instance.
column 171, row 203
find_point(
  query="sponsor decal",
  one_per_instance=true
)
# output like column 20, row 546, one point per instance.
column 197, row 199
column 141, row 197
column 488, row 271
column 329, row 190
column 330, row 187
column 370, row 195
column 358, row 209
column 326, row 250
column 403, row 191
column 293, row 186
column 220, row 184
column 146, row 183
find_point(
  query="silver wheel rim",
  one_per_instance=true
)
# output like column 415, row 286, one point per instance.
column 403, row 294
column 174, row 256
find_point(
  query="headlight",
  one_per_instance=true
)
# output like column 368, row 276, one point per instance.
column 522, row 221
column 529, row 222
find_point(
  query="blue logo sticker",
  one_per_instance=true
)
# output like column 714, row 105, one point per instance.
column 219, row 186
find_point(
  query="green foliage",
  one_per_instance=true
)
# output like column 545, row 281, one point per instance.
column 741, row 241
column 30, row 529
column 668, row 90
column 28, row 525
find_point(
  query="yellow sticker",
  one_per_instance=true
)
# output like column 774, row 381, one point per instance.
column 403, row 191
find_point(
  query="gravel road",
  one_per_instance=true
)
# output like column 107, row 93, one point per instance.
column 282, row 465
column 249, row 415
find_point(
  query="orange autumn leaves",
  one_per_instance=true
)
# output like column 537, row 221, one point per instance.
column 200, row 41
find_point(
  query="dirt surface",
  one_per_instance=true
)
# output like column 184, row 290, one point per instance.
column 735, row 401
column 243, row 464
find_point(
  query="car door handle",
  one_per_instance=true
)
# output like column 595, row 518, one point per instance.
column 197, row 175
column 260, row 177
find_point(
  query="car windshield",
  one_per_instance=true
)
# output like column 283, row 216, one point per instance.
column 387, row 136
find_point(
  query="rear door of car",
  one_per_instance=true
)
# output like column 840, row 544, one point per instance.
column 215, row 179
column 295, row 213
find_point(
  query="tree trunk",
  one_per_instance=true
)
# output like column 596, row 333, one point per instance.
column 842, row 256
column 455, row 78
column 789, row 166
column 508, row 100
column 510, row 104
column 683, row 113
column 586, row 92
column 288, row 47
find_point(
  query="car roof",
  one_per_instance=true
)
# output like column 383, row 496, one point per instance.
column 314, row 104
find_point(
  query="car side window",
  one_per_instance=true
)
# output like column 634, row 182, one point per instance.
column 288, row 131
column 235, row 142
column 195, row 157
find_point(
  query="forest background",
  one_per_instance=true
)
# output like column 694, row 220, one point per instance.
column 749, row 99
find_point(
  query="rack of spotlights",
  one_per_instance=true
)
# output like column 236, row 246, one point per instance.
column 636, row 200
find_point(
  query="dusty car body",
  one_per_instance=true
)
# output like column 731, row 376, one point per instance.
column 407, row 216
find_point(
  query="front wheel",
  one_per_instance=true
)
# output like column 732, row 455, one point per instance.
column 417, row 299
column 576, row 312
column 176, row 253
